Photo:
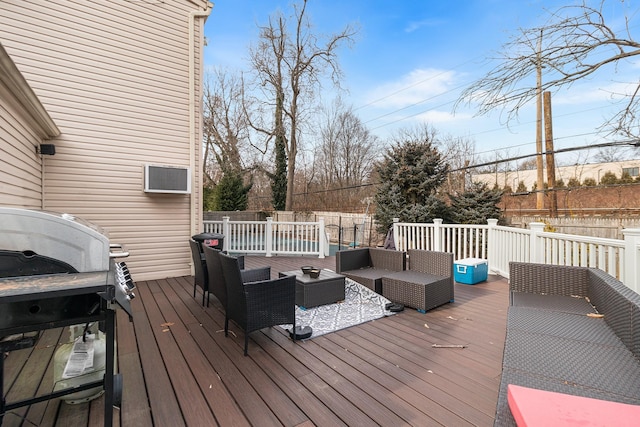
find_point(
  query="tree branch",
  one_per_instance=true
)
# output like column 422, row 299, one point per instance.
column 574, row 41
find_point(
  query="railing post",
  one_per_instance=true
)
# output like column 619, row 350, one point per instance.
column 491, row 243
column 226, row 232
column 631, row 259
column 536, row 245
column 322, row 236
column 396, row 233
column 437, row 235
column 268, row 234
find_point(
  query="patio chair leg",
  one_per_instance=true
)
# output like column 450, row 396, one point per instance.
column 294, row 330
column 246, row 344
column 203, row 295
column 226, row 326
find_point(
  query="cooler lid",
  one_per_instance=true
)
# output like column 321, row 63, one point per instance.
column 471, row 261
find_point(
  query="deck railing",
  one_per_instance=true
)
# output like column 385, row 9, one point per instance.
column 501, row 245
column 271, row 238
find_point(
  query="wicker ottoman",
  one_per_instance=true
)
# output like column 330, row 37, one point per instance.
column 326, row 289
column 415, row 289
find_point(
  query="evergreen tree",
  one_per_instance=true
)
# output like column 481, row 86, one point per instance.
column 573, row 182
column 625, row 178
column 279, row 177
column 521, row 187
column 410, row 173
column 208, row 198
column 231, row 193
column 476, row 205
column 609, row 178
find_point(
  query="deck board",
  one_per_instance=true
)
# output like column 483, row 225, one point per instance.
column 179, row 369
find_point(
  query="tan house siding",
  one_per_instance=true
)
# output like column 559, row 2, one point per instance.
column 24, row 124
column 114, row 76
column 20, row 180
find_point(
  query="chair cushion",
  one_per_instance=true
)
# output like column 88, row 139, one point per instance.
column 532, row 407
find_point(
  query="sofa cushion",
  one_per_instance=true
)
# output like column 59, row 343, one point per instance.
column 369, row 277
column 566, row 304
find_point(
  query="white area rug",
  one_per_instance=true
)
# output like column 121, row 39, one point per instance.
column 360, row 305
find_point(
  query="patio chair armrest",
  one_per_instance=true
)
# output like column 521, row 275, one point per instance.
column 273, row 293
column 241, row 261
column 256, row 274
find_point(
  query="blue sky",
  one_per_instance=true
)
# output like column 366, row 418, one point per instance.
column 411, row 59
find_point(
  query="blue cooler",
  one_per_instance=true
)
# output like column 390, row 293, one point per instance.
column 470, row 270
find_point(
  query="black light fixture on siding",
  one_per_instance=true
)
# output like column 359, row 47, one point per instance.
column 48, row 149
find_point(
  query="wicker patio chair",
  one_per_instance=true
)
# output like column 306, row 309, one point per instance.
column 216, row 279
column 254, row 305
column 428, row 283
column 201, row 276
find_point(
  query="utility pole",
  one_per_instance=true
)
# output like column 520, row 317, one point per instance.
column 551, row 167
column 539, row 161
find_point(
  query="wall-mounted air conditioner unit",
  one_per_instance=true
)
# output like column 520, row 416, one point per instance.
column 167, row 179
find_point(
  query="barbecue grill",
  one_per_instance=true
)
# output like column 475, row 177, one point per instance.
column 58, row 270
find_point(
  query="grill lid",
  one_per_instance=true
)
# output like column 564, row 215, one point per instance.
column 59, row 236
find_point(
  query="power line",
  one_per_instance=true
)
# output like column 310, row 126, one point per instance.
column 631, row 142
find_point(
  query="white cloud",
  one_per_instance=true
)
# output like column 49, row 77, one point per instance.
column 594, row 93
column 417, row 87
column 438, row 117
column 416, row 25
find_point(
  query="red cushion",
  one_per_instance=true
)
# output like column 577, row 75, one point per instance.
column 531, row 407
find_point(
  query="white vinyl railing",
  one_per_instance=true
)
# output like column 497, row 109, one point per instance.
column 463, row 240
column 501, row 245
column 271, row 238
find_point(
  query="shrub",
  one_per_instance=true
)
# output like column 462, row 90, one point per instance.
column 609, row 178
column 521, row 187
column 573, row 182
column 476, row 205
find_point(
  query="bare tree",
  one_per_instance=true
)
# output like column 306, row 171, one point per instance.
column 575, row 43
column 225, row 123
column 345, row 154
column 289, row 62
column 527, row 164
column 459, row 153
column 612, row 154
column 347, row 148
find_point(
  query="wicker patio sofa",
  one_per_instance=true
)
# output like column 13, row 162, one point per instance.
column 428, row 283
column 557, row 342
column 367, row 265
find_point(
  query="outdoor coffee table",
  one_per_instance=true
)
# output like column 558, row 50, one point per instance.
column 326, row 289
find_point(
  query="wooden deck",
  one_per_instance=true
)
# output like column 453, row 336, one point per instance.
column 179, row 369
